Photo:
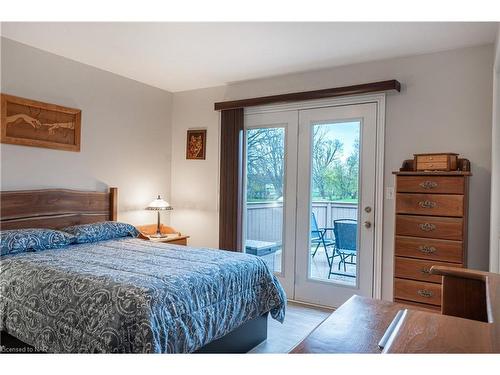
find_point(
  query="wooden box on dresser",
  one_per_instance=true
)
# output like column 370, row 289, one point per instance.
column 431, row 229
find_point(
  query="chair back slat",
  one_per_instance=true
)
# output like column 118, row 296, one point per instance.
column 346, row 234
column 315, row 233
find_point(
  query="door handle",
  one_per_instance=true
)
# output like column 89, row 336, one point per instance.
column 367, row 224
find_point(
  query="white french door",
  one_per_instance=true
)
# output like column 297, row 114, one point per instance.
column 350, row 267
column 310, row 178
column 271, row 155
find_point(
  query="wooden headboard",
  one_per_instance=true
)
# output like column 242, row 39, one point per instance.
column 56, row 208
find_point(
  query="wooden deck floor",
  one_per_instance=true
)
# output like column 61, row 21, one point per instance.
column 320, row 268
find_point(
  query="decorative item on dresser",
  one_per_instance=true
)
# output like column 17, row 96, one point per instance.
column 436, row 162
column 168, row 234
column 431, row 228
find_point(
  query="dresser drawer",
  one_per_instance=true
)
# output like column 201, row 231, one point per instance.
column 432, row 158
column 430, row 204
column 431, row 184
column 182, row 241
column 434, row 166
column 424, row 248
column 416, row 269
column 445, row 228
column 417, row 291
column 419, row 306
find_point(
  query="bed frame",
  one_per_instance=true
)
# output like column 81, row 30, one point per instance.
column 56, row 208
column 59, row 208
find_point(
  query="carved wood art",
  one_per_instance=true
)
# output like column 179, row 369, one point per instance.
column 196, row 144
column 32, row 123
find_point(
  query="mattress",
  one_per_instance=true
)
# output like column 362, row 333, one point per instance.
column 132, row 296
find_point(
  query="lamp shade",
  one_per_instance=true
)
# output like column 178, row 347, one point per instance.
column 159, row 204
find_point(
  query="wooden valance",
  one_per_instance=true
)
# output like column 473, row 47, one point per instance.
column 364, row 88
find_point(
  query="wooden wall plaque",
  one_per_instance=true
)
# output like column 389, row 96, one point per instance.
column 37, row 124
column 196, row 144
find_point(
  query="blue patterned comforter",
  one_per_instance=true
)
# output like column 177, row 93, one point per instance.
column 130, row 295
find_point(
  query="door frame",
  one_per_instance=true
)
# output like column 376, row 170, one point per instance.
column 379, row 100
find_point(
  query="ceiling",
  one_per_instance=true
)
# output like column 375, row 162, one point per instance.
column 184, row 56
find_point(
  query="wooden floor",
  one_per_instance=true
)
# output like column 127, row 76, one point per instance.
column 300, row 320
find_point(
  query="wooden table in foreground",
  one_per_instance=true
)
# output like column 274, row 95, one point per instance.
column 469, row 322
column 355, row 327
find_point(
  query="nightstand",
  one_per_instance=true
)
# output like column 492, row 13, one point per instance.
column 171, row 235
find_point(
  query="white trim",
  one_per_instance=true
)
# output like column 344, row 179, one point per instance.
column 380, row 100
column 379, row 199
column 332, row 309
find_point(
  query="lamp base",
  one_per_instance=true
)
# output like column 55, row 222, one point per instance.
column 158, row 235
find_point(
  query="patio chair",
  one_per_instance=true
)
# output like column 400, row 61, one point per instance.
column 319, row 238
column 346, row 234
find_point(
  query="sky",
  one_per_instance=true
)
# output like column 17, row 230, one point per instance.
column 345, row 132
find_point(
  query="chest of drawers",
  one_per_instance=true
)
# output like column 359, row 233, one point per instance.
column 430, row 229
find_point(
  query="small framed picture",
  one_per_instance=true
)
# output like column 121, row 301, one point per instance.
column 196, row 144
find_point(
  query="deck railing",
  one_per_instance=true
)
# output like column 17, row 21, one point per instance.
column 264, row 221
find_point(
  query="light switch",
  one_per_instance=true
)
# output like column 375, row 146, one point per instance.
column 389, row 192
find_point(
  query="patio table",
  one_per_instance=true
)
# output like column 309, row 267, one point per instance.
column 263, row 249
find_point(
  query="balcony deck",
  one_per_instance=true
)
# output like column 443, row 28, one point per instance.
column 264, row 222
column 320, row 268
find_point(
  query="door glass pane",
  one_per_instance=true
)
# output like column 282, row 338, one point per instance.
column 334, row 202
column 265, row 168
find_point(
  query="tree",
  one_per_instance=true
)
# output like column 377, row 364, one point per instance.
column 332, row 177
column 324, row 153
column 265, row 161
column 341, row 180
column 352, row 171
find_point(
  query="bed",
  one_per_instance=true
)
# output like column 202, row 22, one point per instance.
column 127, row 295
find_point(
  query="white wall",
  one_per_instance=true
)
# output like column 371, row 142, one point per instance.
column 445, row 105
column 495, row 166
column 195, row 191
column 125, row 131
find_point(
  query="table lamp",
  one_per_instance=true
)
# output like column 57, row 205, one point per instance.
column 159, row 204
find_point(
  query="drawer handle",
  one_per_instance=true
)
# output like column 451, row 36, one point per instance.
column 426, row 271
column 427, row 249
column 427, row 227
column 429, row 185
column 425, row 293
column 427, row 204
